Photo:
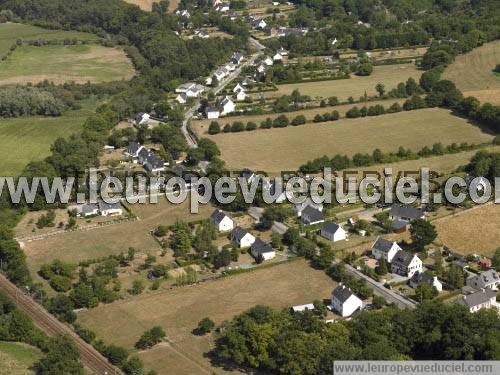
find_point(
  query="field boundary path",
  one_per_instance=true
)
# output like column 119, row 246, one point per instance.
column 90, row 357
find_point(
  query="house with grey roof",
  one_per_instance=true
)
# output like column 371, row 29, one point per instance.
column 222, row 221
column 311, row 216
column 382, row 248
column 154, row 164
column 405, row 213
column 242, row 237
column 482, row 299
column 142, row 118
column 262, row 251
column 486, row 279
column 133, row 149
column 333, row 232
column 425, row 278
column 406, row 263
column 344, row 301
column 86, row 210
column 110, row 209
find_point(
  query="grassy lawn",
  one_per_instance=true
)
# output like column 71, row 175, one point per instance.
column 10, row 32
column 474, row 231
column 37, row 135
column 79, row 63
column 287, row 148
column 389, row 75
column 179, row 310
column 17, row 358
column 113, row 239
column 201, row 126
column 473, row 73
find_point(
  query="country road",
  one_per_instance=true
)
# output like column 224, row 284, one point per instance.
column 191, row 111
column 90, row 357
column 381, row 290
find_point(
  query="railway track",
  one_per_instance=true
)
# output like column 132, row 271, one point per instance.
column 90, row 357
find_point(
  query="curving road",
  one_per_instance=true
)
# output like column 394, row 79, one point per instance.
column 90, row 357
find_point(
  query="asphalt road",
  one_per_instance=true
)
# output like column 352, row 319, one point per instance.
column 90, row 357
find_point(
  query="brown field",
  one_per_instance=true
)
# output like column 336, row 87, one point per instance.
column 147, row 5
column 473, row 72
column 179, row 310
column 389, row 75
column 475, row 231
column 287, row 148
column 201, row 126
column 113, row 239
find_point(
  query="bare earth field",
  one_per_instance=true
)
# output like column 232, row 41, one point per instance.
column 389, row 75
column 473, row 73
column 112, row 239
column 178, row 311
column 201, row 126
column 475, row 231
column 147, row 5
column 281, row 149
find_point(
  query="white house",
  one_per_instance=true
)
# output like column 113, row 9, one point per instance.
column 333, row 232
column 110, row 209
column 142, row 118
column 308, row 202
column 425, row 278
column 183, row 13
column 223, row 222
column 230, row 67
column 486, row 279
column 268, row 61
column 385, row 249
column 345, row 302
column 222, row 8
column 261, row 250
column 133, row 149
column 283, row 52
column 191, row 90
column 181, row 98
column 238, row 88
column 248, row 175
column 277, row 57
column 405, row 213
column 202, row 34
column 277, row 191
column 241, row 96
column 212, row 112
column 220, row 73
column 86, row 210
column 482, row 299
column 260, row 24
column 242, row 237
column 237, row 58
column 406, row 263
column 311, row 216
column 227, row 106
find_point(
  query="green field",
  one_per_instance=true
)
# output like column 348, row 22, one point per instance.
column 17, row 358
column 79, row 63
column 10, row 32
column 275, row 150
column 26, row 139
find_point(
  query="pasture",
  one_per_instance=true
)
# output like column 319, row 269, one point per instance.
column 37, row 135
column 201, row 126
column 10, row 32
column 275, row 150
column 179, row 310
column 473, row 73
column 389, row 75
column 112, row 239
column 17, row 358
column 78, row 63
column 473, row 231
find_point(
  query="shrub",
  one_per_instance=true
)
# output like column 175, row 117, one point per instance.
column 299, row 120
column 251, row 126
column 150, row 338
column 205, row 326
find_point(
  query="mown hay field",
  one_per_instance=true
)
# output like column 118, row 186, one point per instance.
column 179, row 310
column 475, row 231
column 78, row 63
column 473, row 73
column 389, row 75
column 275, row 150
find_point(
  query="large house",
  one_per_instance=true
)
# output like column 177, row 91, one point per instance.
column 486, row 279
column 223, row 222
column 242, row 237
column 212, row 112
column 333, row 232
column 482, row 299
column 406, row 213
column 110, row 209
column 344, row 301
column 192, row 90
column 227, row 106
column 425, row 278
column 406, row 263
column 261, row 250
column 308, row 202
column 86, row 210
column 311, row 216
column 385, row 249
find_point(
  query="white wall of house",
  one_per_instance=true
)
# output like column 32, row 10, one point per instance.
column 247, row 241
column 347, row 308
column 339, row 235
column 226, row 224
column 387, row 256
column 112, row 212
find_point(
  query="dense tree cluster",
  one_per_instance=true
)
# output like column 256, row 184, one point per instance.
column 287, row 343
